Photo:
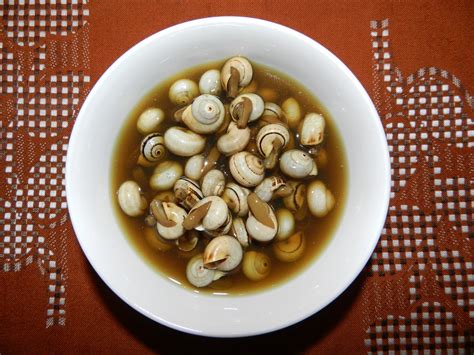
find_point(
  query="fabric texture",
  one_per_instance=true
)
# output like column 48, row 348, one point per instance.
column 416, row 61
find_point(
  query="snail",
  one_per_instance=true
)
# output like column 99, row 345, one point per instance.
column 169, row 219
column 223, row 253
column 165, row 175
column 240, row 232
column 311, row 130
column 320, row 199
column 200, row 276
column 150, row 119
column 236, row 73
column 272, row 109
column 152, row 150
column 261, row 223
column 271, row 139
column 256, row 266
column 234, row 141
column 246, row 108
column 223, row 229
column 187, row 192
column 246, row 168
column 210, row 82
column 236, row 198
column 213, row 183
column 183, row 91
column 271, row 187
column 292, row 111
column 193, row 167
column 210, row 213
column 290, row 249
column 296, row 201
column 286, row 223
column 184, row 142
column 130, row 199
column 205, row 115
column 297, row 164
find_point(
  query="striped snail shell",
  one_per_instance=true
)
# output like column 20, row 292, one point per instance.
column 272, row 137
column 152, row 149
column 187, row 192
column 246, row 168
column 236, row 198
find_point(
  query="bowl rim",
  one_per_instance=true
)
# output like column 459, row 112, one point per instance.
column 72, row 147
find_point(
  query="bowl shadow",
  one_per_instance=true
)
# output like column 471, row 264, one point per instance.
column 159, row 338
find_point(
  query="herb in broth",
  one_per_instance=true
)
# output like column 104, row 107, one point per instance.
column 294, row 235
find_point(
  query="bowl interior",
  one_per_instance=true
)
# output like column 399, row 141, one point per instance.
column 135, row 74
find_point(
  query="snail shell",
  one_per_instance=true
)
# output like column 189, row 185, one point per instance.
column 236, row 198
column 290, row 249
column 130, row 199
column 298, row 164
column 198, row 275
column 183, row 91
column 215, row 215
column 236, row 73
column 261, row 223
column 234, row 141
column 205, row 115
column 222, row 230
column 184, row 142
column 165, row 175
column 187, row 192
column 272, row 109
column 296, row 201
column 150, row 120
column 311, row 129
column 271, row 186
column 152, row 150
column 175, row 215
column 213, row 183
column 240, row 232
column 272, row 138
column 320, row 199
column 286, row 223
column 246, row 168
column 292, row 111
column 193, row 167
column 210, row 82
column 256, row 266
column 257, row 107
column 223, row 253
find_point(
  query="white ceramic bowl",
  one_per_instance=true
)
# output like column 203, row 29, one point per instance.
column 132, row 76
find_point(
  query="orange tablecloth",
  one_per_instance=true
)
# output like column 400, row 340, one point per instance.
column 415, row 58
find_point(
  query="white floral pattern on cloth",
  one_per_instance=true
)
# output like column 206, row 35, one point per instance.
column 44, row 78
column 429, row 228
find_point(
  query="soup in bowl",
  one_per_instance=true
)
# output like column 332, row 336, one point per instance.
column 107, row 163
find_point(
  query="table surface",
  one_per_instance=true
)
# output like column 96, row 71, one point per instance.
column 415, row 58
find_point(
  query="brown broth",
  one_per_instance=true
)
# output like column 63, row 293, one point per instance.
column 172, row 264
